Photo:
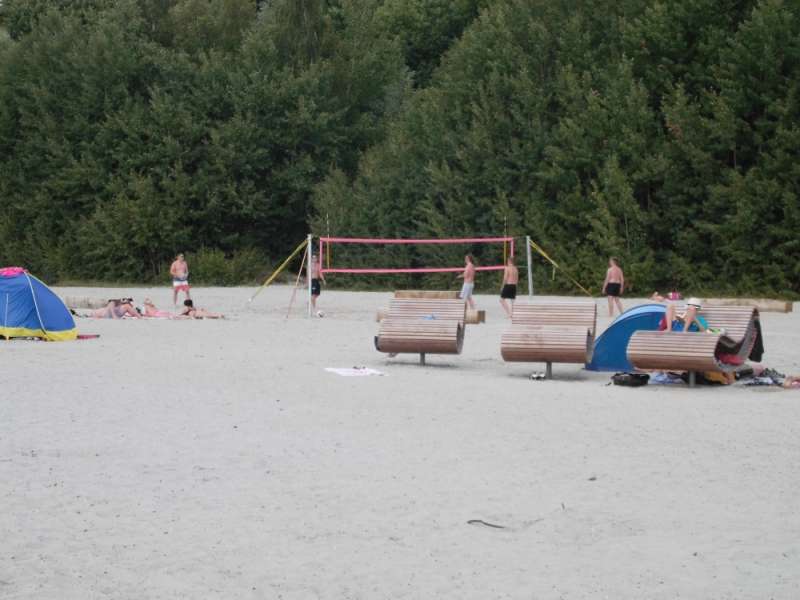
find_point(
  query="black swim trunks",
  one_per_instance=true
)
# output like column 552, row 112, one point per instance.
column 316, row 289
column 613, row 289
column 509, row 291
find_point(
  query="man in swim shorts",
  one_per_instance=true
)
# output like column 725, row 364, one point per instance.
column 317, row 276
column 614, row 286
column 180, row 278
column 469, row 281
column 509, row 291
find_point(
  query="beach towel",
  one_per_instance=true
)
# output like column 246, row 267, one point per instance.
column 354, row 371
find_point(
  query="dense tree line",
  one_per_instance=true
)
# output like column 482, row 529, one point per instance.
column 663, row 132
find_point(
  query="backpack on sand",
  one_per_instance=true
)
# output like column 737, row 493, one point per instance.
column 630, row 379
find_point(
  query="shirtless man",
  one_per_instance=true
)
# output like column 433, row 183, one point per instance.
column 316, row 289
column 614, row 286
column 180, row 278
column 469, row 281
column 509, row 291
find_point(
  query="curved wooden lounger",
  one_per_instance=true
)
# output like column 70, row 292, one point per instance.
column 739, row 323
column 549, row 332
column 677, row 351
column 422, row 326
column 698, row 351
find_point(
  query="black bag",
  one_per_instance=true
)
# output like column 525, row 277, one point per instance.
column 630, row 379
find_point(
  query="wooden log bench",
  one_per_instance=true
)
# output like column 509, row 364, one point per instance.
column 472, row 317
column 422, row 326
column 550, row 332
column 696, row 351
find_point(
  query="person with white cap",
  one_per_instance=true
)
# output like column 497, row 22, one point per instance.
column 690, row 320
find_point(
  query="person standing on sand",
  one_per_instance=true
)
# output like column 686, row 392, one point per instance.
column 317, row 276
column 180, row 278
column 509, row 291
column 614, row 286
column 469, row 281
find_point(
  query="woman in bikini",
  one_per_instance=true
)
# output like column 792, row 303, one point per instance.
column 190, row 311
column 151, row 311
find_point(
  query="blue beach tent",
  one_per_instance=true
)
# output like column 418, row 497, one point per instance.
column 28, row 308
column 611, row 348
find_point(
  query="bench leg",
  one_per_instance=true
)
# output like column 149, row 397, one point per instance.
column 548, row 371
column 422, row 358
column 692, row 378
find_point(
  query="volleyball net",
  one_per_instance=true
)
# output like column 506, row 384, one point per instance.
column 406, row 254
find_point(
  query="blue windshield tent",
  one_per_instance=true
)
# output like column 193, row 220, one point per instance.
column 28, row 308
column 611, row 348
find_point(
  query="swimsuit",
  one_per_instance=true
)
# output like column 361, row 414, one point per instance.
column 316, row 288
column 466, row 290
column 613, row 289
column 181, row 283
column 509, row 291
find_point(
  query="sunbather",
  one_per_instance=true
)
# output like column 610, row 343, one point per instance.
column 672, row 296
column 792, row 382
column 690, row 320
column 116, row 309
column 189, row 310
column 150, row 310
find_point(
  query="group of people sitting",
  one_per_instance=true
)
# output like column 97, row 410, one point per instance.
column 118, row 308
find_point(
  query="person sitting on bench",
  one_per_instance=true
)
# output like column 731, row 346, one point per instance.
column 690, row 320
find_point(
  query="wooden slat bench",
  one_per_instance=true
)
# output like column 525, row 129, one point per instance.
column 549, row 332
column 697, row 351
column 422, row 326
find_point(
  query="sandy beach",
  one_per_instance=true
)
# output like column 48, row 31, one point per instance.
column 219, row 460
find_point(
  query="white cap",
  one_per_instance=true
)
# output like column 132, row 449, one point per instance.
column 694, row 302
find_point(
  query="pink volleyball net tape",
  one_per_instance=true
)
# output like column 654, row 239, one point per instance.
column 404, row 241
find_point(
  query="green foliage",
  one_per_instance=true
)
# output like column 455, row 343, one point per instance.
column 653, row 131
column 213, row 267
column 665, row 133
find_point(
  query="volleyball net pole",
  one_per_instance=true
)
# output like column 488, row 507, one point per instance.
column 528, row 253
column 309, row 245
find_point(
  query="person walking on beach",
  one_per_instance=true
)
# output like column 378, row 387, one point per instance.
column 614, row 286
column 317, row 276
column 469, row 281
column 180, row 278
column 509, row 291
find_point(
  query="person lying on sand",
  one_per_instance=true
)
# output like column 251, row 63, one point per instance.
column 190, row 311
column 151, row 311
column 792, row 382
column 116, row 309
column 671, row 297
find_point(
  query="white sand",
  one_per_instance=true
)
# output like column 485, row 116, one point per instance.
column 219, row 460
